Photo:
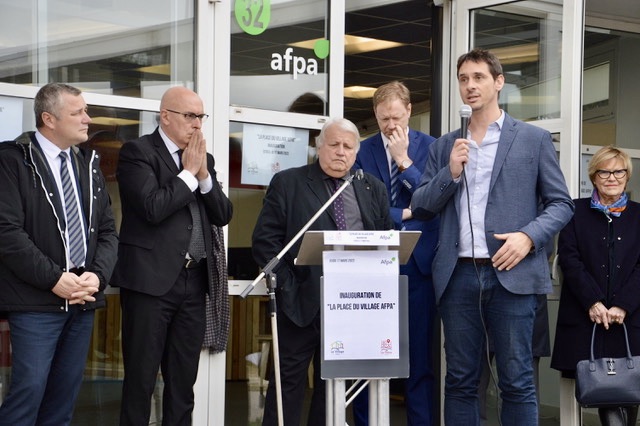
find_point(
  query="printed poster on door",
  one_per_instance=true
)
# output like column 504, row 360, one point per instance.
column 267, row 150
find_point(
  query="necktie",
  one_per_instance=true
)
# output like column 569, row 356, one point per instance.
column 394, row 183
column 196, row 249
column 73, row 224
column 338, row 206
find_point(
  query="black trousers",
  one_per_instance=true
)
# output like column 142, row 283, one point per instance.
column 166, row 333
column 618, row 416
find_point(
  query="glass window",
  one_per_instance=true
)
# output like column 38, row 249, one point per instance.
column 119, row 47
column 528, row 43
column 278, row 53
column 387, row 41
column 610, row 89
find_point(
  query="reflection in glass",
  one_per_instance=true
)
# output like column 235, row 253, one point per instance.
column 528, row 43
column 387, row 41
column 610, row 89
column 113, row 47
column 270, row 68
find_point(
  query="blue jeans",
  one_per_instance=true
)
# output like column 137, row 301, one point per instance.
column 509, row 319
column 49, row 352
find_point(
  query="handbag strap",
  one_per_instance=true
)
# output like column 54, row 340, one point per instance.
column 626, row 339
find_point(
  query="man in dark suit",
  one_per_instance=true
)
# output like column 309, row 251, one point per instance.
column 170, row 200
column 293, row 197
column 501, row 197
column 397, row 155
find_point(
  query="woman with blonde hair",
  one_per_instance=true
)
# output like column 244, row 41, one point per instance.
column 599, row 254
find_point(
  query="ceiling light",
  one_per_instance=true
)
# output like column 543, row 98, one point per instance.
column 113, row 121
column 354, row 44
column 517, row 54
column 162, row 69
column 359, row 92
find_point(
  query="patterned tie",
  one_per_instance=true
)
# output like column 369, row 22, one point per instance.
column 394, row 183
column 196, row 249
column 73, row 225
column 338, row 206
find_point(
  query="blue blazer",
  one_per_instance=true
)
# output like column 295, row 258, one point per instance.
column 372, row 158
column 527, row 193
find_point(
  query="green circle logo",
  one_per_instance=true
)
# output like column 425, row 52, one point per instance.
column 253, row 16
column 321, row 48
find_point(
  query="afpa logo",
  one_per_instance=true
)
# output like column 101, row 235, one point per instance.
column 386, row 237
column 298, row 64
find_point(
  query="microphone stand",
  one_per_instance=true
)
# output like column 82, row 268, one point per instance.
column 271, row 281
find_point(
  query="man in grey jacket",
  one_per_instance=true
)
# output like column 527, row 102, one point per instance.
column 487, row 185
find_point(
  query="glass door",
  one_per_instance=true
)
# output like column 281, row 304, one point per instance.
column 280, row 95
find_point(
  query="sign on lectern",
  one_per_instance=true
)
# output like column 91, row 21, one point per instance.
column 364, row 301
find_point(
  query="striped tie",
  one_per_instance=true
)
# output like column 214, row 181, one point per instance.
column 73, row 225
column 394, row 183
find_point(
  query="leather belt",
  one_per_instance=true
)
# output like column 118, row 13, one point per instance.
column 481, row 261
column 190, row 264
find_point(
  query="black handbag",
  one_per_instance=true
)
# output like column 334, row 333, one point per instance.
column 608, row 382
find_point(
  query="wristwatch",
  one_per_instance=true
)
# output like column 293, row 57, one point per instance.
column 404, row 165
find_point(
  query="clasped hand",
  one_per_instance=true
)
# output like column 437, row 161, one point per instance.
column 77, row 289
column 194, row 156
column 599, row 314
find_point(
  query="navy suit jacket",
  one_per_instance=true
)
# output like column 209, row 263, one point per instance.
column 372, row 158
column 293, row 197
column 527, row 193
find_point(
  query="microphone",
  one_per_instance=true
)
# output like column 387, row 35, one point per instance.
column 465, row 114
column 359, row 174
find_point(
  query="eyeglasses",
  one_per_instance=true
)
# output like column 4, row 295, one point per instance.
column 605, row 174
column 190, row 116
